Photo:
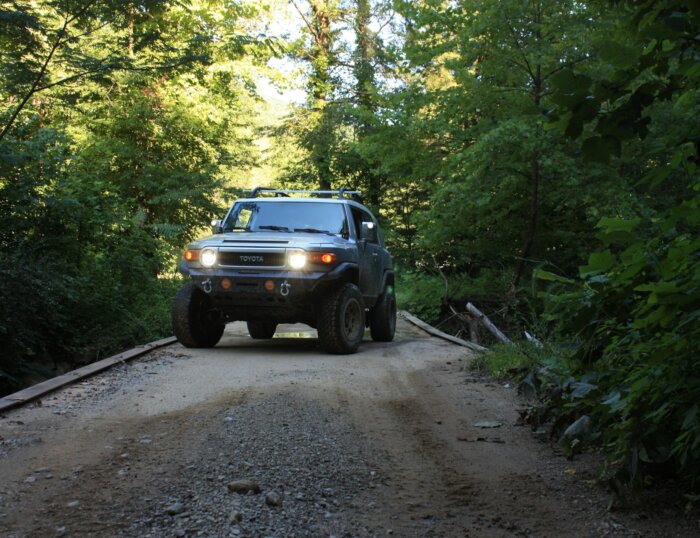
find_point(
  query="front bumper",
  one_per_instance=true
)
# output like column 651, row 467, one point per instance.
column 242, row 294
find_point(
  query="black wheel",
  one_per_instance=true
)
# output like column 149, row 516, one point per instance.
column 194, row 323
column 341, row 320
column 382, row 318
column 262, row 330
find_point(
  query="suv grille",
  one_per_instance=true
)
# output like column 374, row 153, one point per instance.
column 252, row 259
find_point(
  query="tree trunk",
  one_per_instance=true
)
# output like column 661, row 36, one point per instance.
column 320, row 88
column 535, row 176
column 130, row 44
column 531, row 226
column 365, row 80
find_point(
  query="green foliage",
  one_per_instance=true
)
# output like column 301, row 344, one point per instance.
column 636, row 316
column 580, row 166
column 51, row 314
column 422, row 292
column 123, row 127
column 635, row 307
column 504, row 361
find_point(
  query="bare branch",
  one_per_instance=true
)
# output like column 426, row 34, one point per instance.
column 518, row 45
column 525, row 68
column 565, row 66
column 388, row 21
column 35, row 84
column 93, row 30
column 59, row 41
column 306, row 21
column 444, row 299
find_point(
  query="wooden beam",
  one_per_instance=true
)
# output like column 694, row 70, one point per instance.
column 483, row 318
column 436, row 332
column 40, row 389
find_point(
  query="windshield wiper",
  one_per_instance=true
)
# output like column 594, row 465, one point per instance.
column 313, row 231
column 275, row 228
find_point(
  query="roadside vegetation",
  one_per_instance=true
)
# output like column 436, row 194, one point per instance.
column 537, row 159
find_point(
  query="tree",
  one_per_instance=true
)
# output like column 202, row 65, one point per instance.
column 317, row 133
column 635, row 304
column 483, row 74
column 121, row 130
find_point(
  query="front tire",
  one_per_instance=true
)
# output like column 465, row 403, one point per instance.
column 382, row 318
column 341, row 320
column 194, row 323
column 262, row 330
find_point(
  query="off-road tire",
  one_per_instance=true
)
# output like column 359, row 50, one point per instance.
column 262, row 330
column 382, row 318
column 341, row 320
column 193, row 323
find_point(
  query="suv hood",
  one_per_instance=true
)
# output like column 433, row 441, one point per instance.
column 269, row 240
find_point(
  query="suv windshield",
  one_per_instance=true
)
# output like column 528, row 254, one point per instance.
column 311, row 217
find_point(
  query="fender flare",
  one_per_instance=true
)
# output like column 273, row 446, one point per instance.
column 387, row 279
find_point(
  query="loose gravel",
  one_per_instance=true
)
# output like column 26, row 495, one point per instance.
column 255, row 475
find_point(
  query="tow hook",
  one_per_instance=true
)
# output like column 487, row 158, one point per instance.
column 284, row 288
column 206, row 285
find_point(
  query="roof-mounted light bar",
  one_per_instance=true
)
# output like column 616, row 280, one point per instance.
column 340, row 193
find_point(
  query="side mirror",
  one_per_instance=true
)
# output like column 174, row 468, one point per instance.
column 216, row 226
column 369, row 232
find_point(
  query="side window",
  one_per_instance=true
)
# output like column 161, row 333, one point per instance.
column 239, row 218
column 357, row 220
column 243, row 218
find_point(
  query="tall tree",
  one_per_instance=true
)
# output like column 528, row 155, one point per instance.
column 318, row 131
column 365, row 84
column 483, row 74
column 123, row 123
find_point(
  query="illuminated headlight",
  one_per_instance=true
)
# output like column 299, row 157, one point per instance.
column 297, row 259
column 207, row 257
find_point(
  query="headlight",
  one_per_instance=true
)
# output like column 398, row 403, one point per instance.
column 207, row 257
column 297, row 259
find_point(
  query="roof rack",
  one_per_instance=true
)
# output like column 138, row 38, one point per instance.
column 340, row 193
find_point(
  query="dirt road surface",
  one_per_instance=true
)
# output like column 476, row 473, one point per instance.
column 389, row 441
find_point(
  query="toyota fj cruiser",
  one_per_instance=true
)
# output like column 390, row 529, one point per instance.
column 278, row 258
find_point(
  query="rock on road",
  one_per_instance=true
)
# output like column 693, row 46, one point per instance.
column 275, row 438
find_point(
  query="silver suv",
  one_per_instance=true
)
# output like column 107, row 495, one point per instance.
column 289, row 257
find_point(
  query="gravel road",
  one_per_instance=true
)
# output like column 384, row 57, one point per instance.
column 275, row 438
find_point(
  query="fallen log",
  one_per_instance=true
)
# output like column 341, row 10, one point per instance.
column 483, row 318
column 469, row 321
column 435, row 332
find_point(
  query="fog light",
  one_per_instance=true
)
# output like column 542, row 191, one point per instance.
column 226, row 283
column 269, row 285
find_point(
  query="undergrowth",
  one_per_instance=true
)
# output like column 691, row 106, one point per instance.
column 504, row 361
column 51, row 321
column 422, row 293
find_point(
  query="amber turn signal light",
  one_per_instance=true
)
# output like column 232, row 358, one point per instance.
column 326, row 257
column 226, row 283
column 192, row 255
column 269, row 285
